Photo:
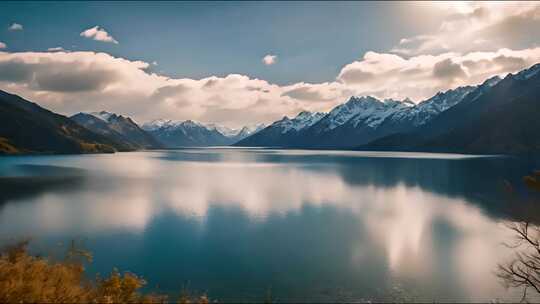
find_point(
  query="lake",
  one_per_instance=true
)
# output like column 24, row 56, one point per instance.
column 240, row 224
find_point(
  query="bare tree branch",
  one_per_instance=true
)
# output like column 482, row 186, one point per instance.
column 524, row 270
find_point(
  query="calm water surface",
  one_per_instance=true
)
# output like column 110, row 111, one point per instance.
column 302, row 225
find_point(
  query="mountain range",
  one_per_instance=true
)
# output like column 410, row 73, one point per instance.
column 500, row 116
column 497, row 116
column 25, row 127
column 356, row 122
column 189, row 133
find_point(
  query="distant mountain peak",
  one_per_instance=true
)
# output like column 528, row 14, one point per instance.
column 157, row 124
column 192, row 124
column 389, row 102
column 408, row 101
column 362, row 101
column 103, row 115
column 283, row 119
column 354, row 106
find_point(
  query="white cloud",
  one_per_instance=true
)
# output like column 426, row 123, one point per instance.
column 3, row 45
column 389, row 75
column 269, row 59
column 56, row 49
column 81, row 81
column 69, row 82
column 98, row 33
column 15, row 27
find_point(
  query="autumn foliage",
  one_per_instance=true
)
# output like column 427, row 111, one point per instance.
column 25, row 278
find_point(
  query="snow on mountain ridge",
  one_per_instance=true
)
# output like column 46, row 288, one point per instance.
column 158, row 124
column 528, row 73
column 374, row 116
column 303, row 120
column 224, row 130
column 354, row 106
column 192, row 124
column 440, row 102
column 252, row 129
column 103, row 115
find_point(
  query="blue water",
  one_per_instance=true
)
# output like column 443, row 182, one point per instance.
column 242, row 224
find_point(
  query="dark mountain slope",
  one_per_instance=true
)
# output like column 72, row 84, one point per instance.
column 26, row 127
column 502, row 118
column 117, row 127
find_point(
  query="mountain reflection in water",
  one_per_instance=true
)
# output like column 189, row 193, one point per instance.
column 309, row 225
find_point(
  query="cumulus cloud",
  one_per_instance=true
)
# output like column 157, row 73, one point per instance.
column 56, row 73
column 447, row 69
column 2, row 45
column 418, row 77
column 15, row 27
column 69, row 82
column 98, row 33
column 269, row 59
column 316, row 93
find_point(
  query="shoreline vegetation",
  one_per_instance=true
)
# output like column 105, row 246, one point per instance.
column 26, row 278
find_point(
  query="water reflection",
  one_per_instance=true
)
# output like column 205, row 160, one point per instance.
column 312, row 225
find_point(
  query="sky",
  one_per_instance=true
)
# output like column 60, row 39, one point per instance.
column 241, row 63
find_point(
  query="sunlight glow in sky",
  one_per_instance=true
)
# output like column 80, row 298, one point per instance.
column 238, row 63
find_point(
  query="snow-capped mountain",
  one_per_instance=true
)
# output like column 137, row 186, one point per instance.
column 358, row 118
column 375, row 115
column 223, row 129
column 528, row 73
column 103, row 115
column 364, row 106
column 157, row 124
column 303, row 120
column 355, row 122
column 246, row 131
column 117, row 127
column 192, row 133
column 189, row 133
column 283, row 132
column 252, row 129
column 235, row 134
column 498, row 116
column 407, row 118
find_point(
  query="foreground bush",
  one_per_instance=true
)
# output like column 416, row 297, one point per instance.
column 32, row 279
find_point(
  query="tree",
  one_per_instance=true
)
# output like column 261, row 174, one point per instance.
column 524, row 270
column 25, row 278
